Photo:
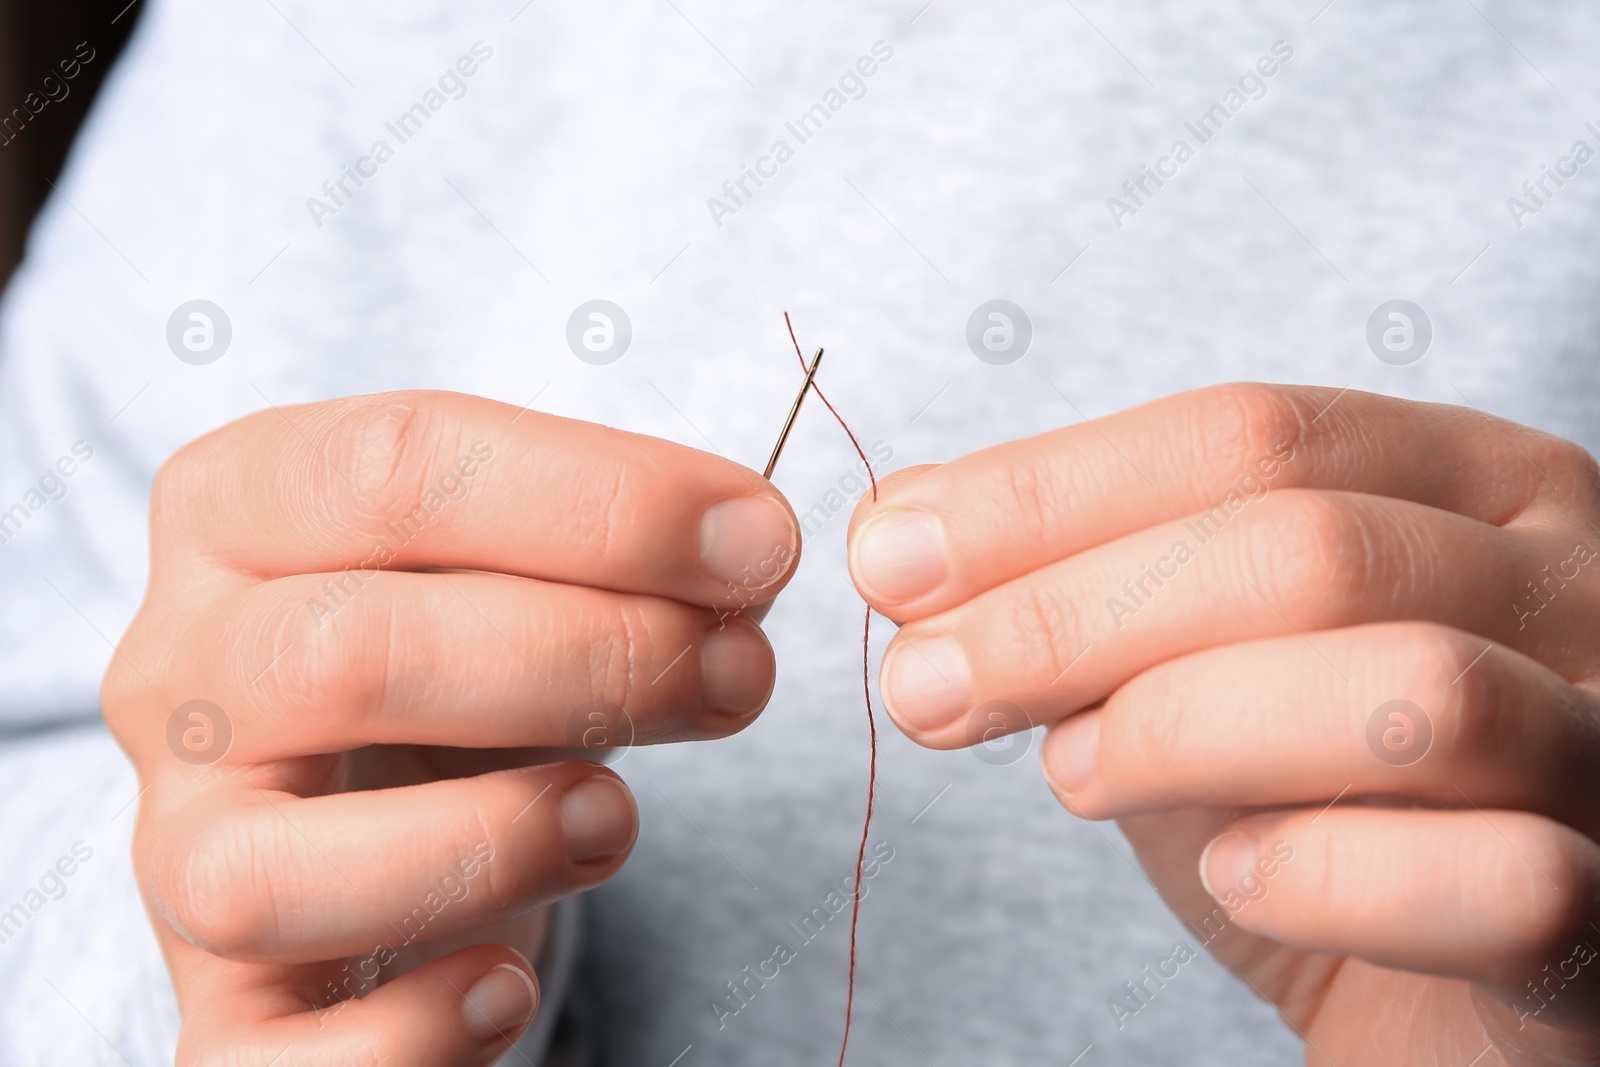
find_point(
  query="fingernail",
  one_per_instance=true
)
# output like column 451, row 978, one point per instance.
column 748, row 542
column 598, row 820
column 1070, row 752
column 736, row 669
column 899, row 555
column 1227, row 861
column 927, row 683
column 499, row 1004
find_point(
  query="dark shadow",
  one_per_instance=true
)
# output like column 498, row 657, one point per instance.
column 46, row 87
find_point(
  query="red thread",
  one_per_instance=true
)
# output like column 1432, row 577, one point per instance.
column 872, row 726
column 815, row 388
column 866, row 825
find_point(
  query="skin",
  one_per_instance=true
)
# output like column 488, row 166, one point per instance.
column 1392, row 913
column 402, row 745
column 1368, row 550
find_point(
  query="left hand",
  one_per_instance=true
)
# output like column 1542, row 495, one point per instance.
column 1214, row 599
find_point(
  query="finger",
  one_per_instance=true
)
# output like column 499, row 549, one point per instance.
column 934, row 541
column 276, row 877
column 1397, row 709
column 467, row 1009
column 1490, row 896
column 470, row 660
column 433, row 480
column 1066, row 636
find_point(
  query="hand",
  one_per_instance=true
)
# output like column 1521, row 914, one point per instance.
column 1329, row 659
column 397, row 608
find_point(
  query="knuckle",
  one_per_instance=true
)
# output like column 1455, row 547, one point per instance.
column 1567, row 460
column 1045, row 624
column 1312, row 555
column 1577, row 472
column 1036, row 494
column 378, row 450
column 121, row 690
column 1459, row 685
column 618, row 660
column 316, row 666
column 166, row 488
column 140, row 675
column 1552, row 473
column 172, row 489
column 212, row 886
column 510, row 885
column 1149, row 724
column 612, row 506
column 1241, row 423
column 183, row 487
column 1546, row 887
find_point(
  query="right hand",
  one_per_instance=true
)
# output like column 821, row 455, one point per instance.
column 454, row 582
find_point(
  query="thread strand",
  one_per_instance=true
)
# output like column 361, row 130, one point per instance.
column 872, row 726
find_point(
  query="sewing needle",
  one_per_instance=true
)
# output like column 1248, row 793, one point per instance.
column 788, row 423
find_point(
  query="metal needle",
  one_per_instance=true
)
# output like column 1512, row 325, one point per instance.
column 788, row 424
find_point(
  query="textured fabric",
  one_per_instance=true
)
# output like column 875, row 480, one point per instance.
column 577, row 163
